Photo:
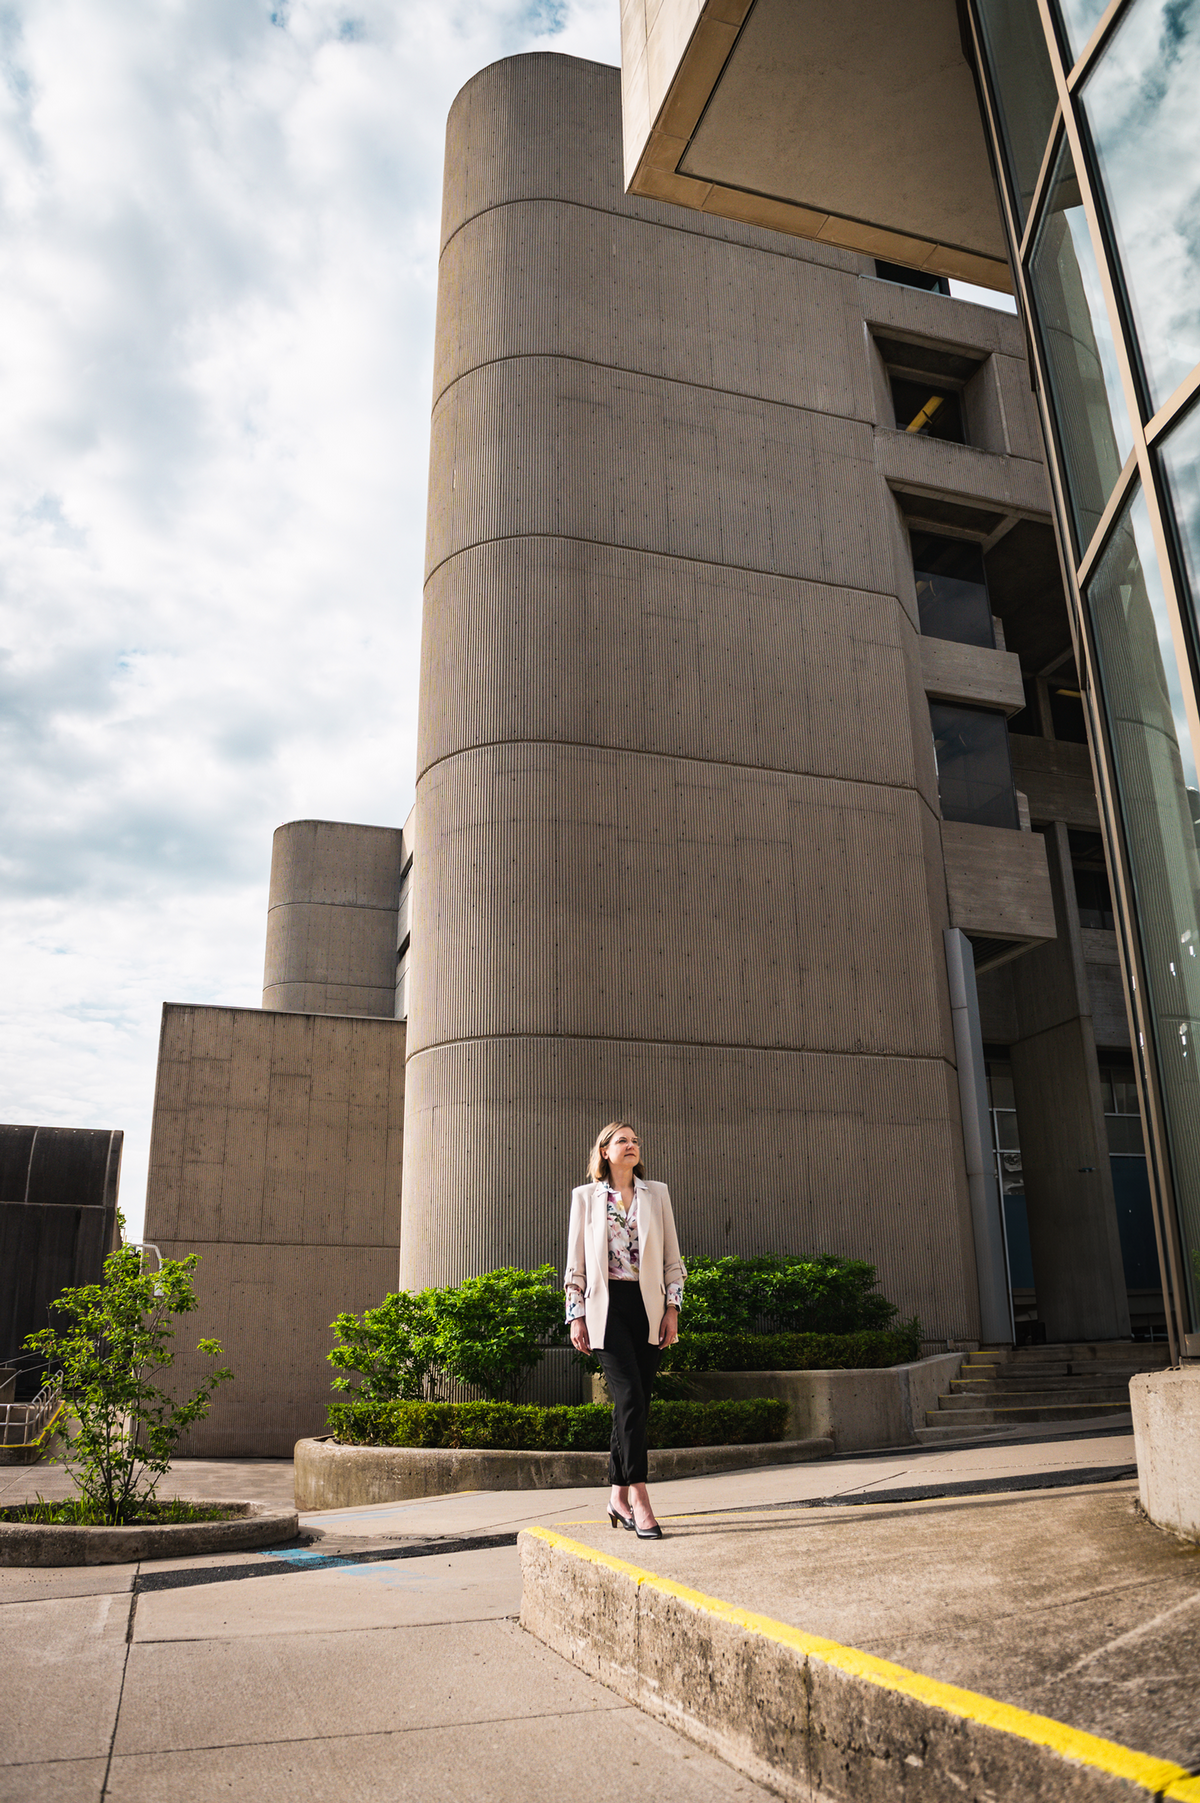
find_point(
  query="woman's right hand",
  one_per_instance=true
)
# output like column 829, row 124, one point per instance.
column 579, row 1335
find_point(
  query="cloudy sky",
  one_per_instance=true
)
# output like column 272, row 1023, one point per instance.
column 216, row 318
column 217, row 287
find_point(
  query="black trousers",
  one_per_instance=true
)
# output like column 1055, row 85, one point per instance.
column 629, row 1363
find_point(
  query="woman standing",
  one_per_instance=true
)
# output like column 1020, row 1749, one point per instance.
column 624, row 1285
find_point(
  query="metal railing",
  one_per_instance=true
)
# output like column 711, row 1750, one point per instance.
column 21, row 1423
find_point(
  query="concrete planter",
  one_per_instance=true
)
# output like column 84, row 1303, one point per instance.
column 331, row 1476
column 28, row 1543
column 857, row 1410
column 1166, row 1434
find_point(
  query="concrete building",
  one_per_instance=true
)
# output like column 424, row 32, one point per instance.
column 754, row 796
column 278, row 1139
column 1085, row 114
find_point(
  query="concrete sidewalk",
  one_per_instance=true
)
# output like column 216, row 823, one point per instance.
column 383, row 1659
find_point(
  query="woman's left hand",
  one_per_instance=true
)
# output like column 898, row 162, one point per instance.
column 668, row 1332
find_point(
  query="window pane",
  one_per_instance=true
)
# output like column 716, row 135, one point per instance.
column 952, row 593
column 1023, row 89
column 1140, row 104
column 1155, row 770
column 1000, row 1084
column 1181, row 467
column 1080, row 19
column 974, row 770
column 1080, row 356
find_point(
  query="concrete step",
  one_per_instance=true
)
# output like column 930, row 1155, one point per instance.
column 1065, row 1389
column 1142, row 1355
column 1092, row 1371
column 1005, row 1417
column 1100, row 1395
column 939, row 1436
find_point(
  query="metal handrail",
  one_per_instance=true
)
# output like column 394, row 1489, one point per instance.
column 31, row 1418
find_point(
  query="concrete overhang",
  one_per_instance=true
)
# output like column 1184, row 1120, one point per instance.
column 854, row 122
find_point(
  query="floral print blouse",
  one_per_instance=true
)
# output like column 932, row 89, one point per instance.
column 622, row 1255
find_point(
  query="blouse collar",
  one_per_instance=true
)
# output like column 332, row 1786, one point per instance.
column 604, row 1186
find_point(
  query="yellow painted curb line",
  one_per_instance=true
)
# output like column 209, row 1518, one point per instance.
column 1160, row 1777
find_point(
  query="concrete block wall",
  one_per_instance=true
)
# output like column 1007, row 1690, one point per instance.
column 678, row 838
column 276, row 1155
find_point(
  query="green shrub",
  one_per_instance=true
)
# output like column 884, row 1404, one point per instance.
column 717, row 1423
column 526, row 1427
column 782, row 1293
column 793, row 1351
column 490, row 1330
column 392, row 1348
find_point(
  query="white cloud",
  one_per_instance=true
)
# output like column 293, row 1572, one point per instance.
column 216, row 315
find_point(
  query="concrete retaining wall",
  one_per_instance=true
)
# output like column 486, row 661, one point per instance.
column 855, row 1409
column 329, row 1476
column 802, row 1715
column 1166, row 1433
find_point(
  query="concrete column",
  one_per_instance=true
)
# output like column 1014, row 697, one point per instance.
column 331, row 920
column 991, row 1263
column 1073, row 1232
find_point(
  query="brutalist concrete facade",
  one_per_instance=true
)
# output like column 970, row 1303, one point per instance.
column 276, row 1155
column 331, row 918
column 679, row 851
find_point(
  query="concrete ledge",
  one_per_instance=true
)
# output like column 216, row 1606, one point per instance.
column 857, row 1410
column 331, row 1476
column 802, row 1715
column 1166, row 1434
column 27, row 1543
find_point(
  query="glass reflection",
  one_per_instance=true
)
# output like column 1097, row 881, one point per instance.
column 1140, row 106
column 974, row 767
column 1080, row 19
column 952, row 594
column 1081, row 358
column 1155, row 767
column 1181, row 466
column 1022, row 88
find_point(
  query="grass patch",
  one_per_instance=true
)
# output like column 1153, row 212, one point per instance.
column 74, row 1512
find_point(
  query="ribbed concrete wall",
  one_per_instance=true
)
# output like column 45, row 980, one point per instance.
column 276, row 1154
column 676, row 851
column 331, row 919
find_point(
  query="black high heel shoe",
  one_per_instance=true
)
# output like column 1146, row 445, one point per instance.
column 618, row 1520
column 654, row 1533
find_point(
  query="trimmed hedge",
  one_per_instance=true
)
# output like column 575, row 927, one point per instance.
column 524, row 1427
column 794, row 1351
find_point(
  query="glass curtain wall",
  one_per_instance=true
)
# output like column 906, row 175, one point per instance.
column 1091, row 112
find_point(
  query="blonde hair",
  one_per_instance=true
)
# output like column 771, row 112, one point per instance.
column 598, row 1166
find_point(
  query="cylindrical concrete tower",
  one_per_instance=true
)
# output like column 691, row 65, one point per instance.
column 677, row 851
column 331, row 919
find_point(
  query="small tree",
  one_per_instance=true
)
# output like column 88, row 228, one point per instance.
column 391, row 1348
column 491, row 1329
column 114, row 1341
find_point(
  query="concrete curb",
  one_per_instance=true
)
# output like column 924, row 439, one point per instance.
column 332, row 1476
column 26, row 1543
column 805, row 1716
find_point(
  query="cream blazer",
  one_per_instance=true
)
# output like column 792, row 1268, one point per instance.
column 659, row 1262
